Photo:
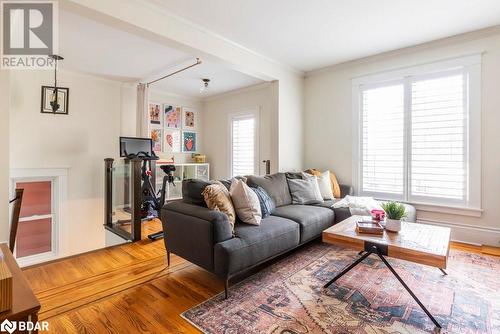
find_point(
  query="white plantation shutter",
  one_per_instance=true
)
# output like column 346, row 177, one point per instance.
column 419, row 134
column 439, row 137
column 243, row 155
column 382, row 166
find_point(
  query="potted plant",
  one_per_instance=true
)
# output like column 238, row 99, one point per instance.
column 394, row 212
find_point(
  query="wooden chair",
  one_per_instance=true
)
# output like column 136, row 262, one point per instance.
column 15, row 218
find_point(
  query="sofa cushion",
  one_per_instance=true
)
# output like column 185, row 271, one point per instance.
column 336, row 188
column 267, row 205
column 246, row 203
column 254, row 244
column 192, row 191
column 217, row 198
column 312, row 219
column 305, row 191
column 275, row 185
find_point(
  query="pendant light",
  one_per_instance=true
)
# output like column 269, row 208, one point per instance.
column 54, row 99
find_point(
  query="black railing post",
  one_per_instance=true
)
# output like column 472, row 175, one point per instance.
column 108, row 192
column 135, row 228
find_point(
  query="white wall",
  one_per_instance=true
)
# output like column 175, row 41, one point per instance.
column 328, row 122
column 216, row 113
column 79, row 141
column 4, row 153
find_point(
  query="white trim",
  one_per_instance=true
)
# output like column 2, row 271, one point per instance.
column 425, row 68
column 253, row 112
column 448, row 209
column 36, row 217
column 466, row 233
column 470, row 66
column 59, row 179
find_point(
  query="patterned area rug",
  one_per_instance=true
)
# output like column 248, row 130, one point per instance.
column 287, row 297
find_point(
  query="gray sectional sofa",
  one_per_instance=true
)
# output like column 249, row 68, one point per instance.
column 204, row 237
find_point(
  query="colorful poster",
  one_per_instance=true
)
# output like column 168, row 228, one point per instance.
column 172, row 141
column 155, row 113
column 188, row 141
column 172, row 116
column 189, row 118
column 156, row 136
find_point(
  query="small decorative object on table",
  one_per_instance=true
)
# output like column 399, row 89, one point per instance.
column 369, row 226
column 5, row 285
column 394, row 212
column 378, row 215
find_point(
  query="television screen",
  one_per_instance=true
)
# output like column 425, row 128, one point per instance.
column 131, row 145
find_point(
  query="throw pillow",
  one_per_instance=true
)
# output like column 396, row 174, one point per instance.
column 317, row 191
column 335, row 183
column 294, row 175
column 304, row 191
column 227, row 183
column 325, row 185
column 246, row 203
column 267, row 205
column 217, row 198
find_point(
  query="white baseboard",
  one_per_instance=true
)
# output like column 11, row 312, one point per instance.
column 476, row 235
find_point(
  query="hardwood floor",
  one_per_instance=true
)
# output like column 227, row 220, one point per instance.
column 129, row 289
column 122, row 289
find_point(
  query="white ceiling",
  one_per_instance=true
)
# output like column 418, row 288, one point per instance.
column 91, row 47
column 310, row 34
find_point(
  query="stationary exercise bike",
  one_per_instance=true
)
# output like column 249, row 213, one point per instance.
column 151, row 202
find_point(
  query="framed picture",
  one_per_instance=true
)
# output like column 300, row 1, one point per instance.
column 48, row 96
column 189, row 142
column 172, row 141
column 172, row 116
column 155, row 113
column 189, row 118
column 156, row 137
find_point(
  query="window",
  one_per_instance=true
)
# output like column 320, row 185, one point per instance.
column 41, row 217
column 419, row 134
column 244, row 155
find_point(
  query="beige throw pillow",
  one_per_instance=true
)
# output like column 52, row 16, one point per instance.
column 217, row 198
column 246, row 203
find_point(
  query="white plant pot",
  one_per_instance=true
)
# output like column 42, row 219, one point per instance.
column 393, row 225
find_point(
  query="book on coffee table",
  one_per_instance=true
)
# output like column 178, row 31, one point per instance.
column 369, row 227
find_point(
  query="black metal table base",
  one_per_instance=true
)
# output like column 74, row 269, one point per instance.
column 373, row 249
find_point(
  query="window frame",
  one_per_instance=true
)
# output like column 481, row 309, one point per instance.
column 244, row 114
column 59, row 180
column 470, row 66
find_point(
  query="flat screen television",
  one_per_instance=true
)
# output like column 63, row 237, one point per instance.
column 133, row 145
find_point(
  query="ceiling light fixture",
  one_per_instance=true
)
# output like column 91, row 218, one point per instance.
column 204, row 85
column 54, row 102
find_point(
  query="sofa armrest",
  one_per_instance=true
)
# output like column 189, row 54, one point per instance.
column 346, row 190
column 191, row 231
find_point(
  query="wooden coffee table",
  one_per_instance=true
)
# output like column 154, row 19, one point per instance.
column 419, row 243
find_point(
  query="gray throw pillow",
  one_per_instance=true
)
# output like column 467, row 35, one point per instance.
column 275, row 185
column 304, row 191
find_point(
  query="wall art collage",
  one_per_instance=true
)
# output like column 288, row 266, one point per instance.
column 173, row 128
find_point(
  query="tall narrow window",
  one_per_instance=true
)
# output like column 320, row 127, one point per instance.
column 243, row 144
column 419, row 134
